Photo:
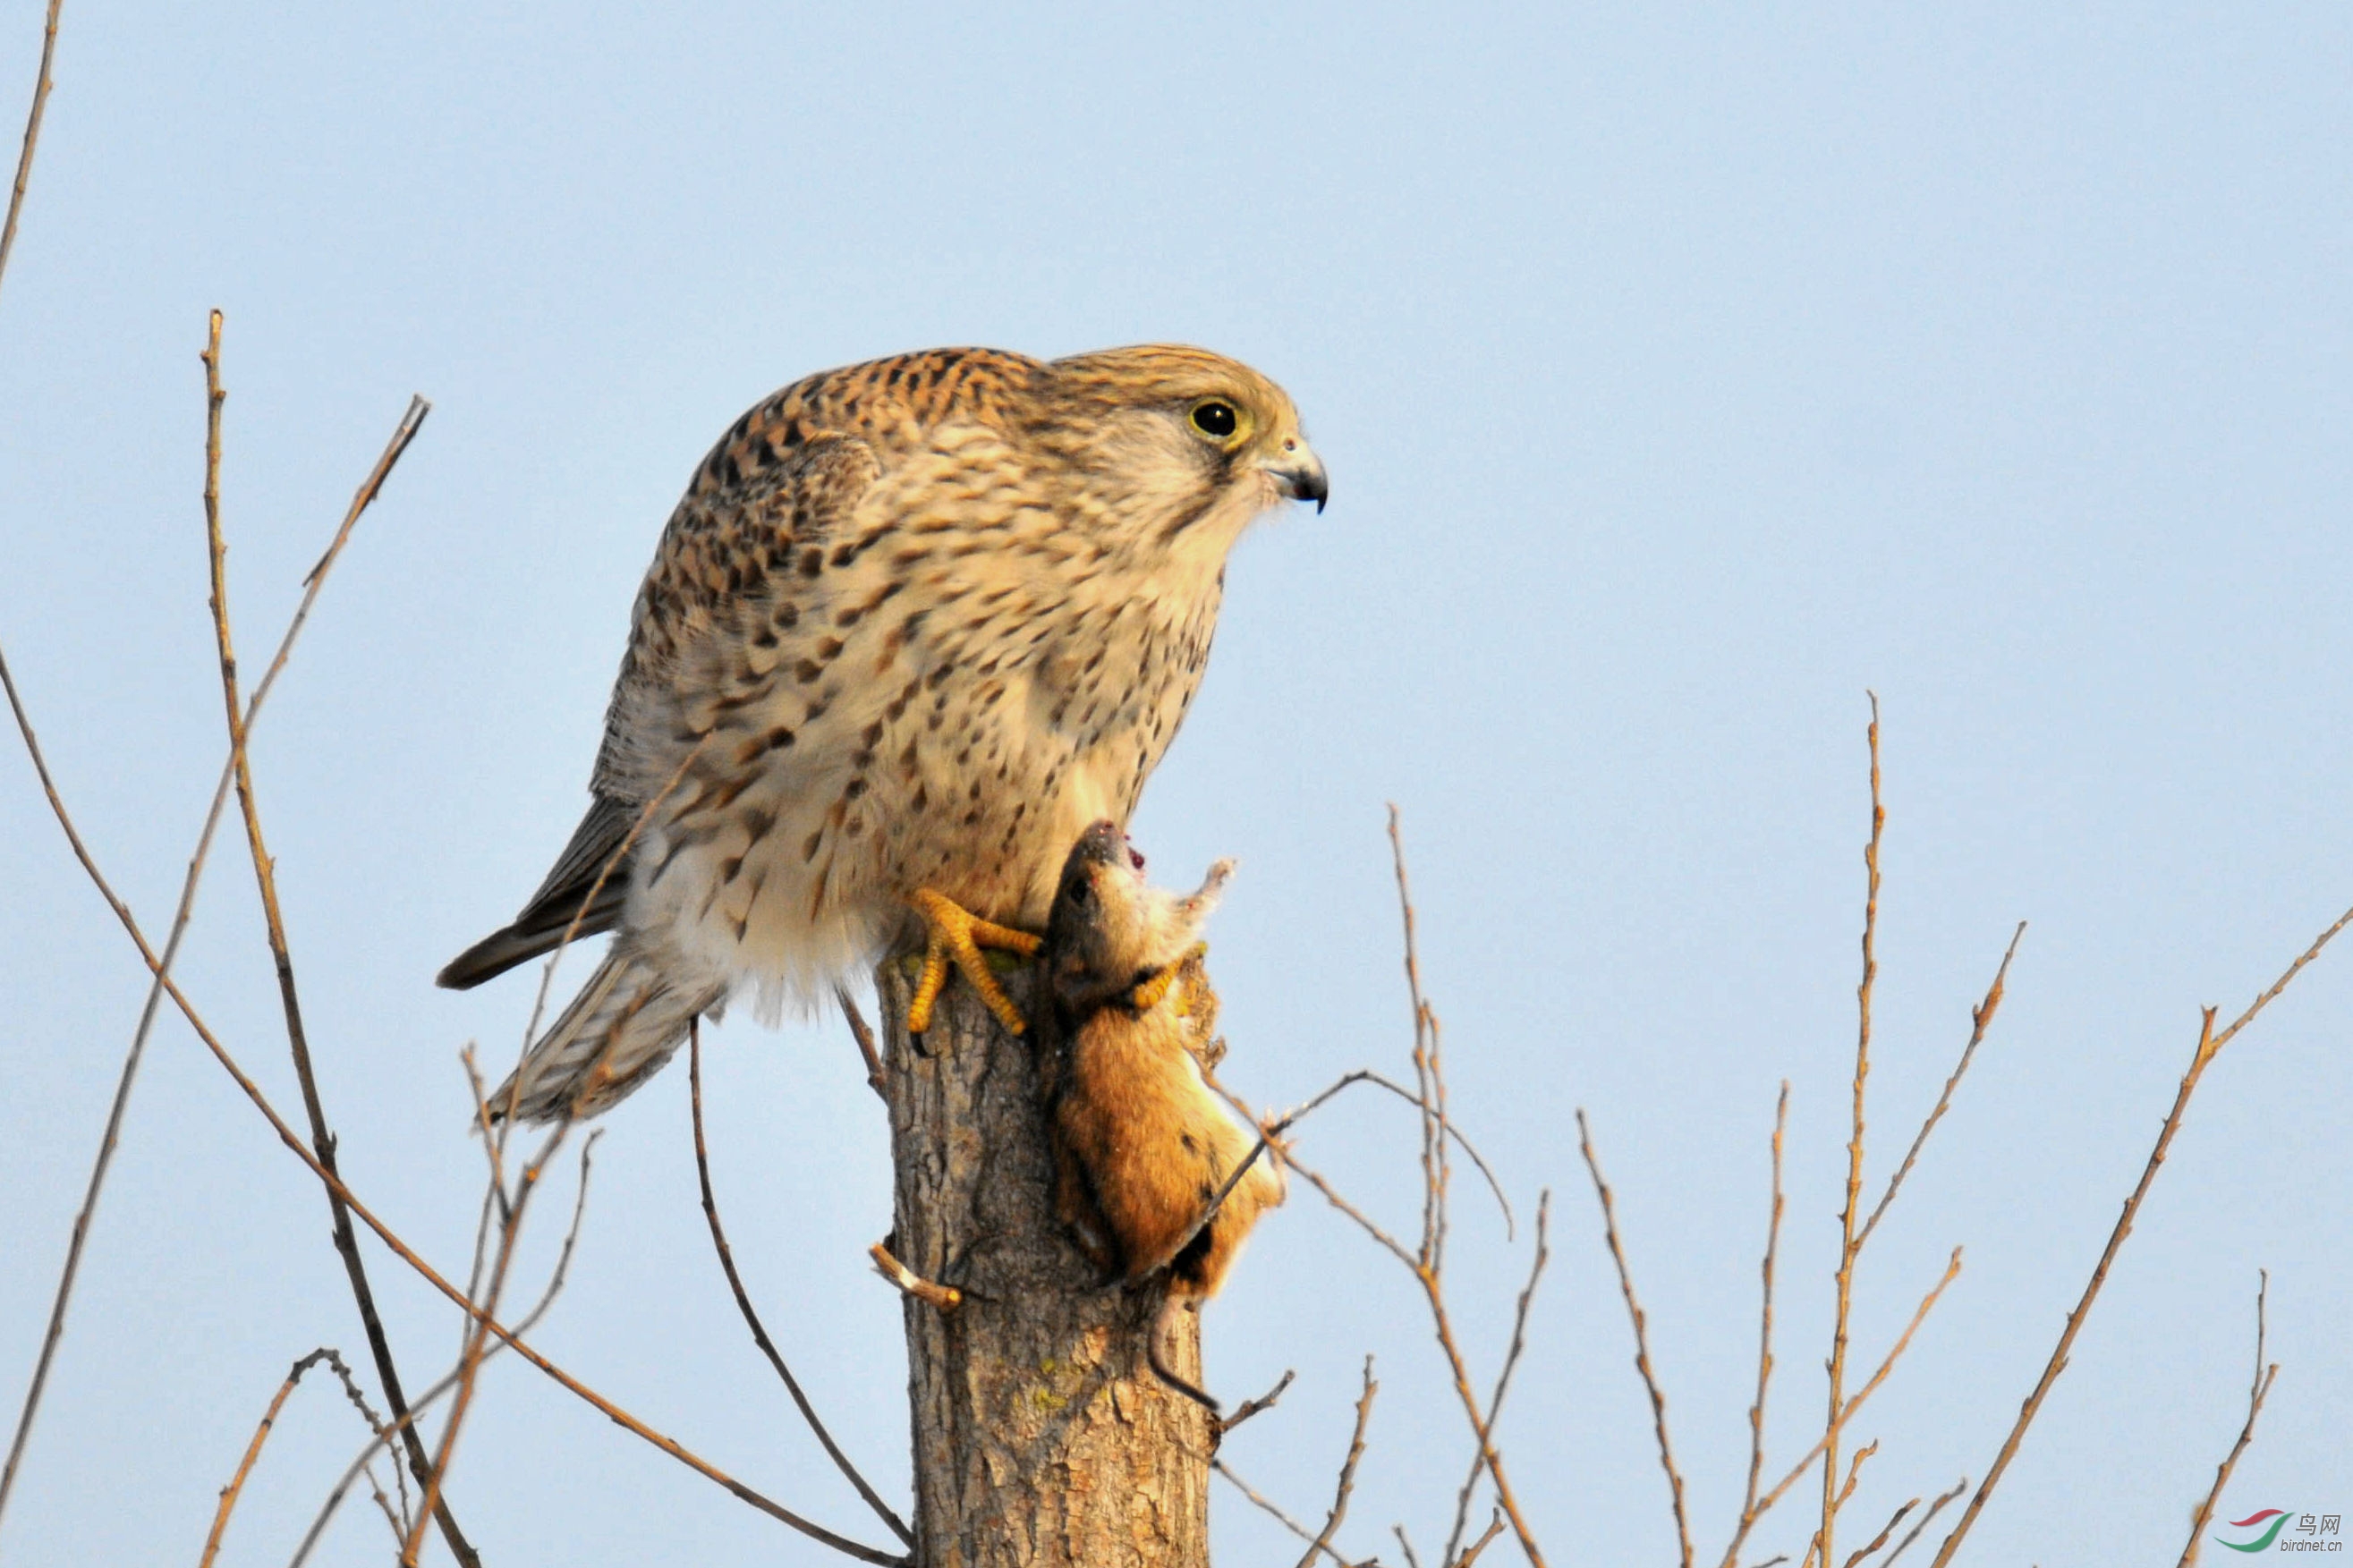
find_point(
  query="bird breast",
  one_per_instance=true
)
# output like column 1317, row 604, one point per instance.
column 944, row 693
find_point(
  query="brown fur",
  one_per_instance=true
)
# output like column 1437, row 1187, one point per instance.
column 1142, row 1145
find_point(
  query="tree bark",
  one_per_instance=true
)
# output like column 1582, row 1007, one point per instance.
column 1042, row 1437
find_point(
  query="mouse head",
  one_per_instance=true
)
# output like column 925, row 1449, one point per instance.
column 1110, row 930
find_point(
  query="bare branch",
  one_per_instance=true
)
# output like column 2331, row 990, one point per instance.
column 1470, row 1552
column 1511, row 1362
column 1276, row 1514
column 265, row 873
column 70, row 1272
column 1880, row 1540
column 1250, row 1407
column 743, row 1301
column 1269, row 1132
column 2256, row 1393
column 1323, row 1541
column 1853, row 1472
column 161, row 968
column 523, row 1325
column 253, row 1451
column 31, row 136
column 1641, row 1335
column 1980, row 1020
column 1854, row 1404
column 469, row 1363
column 940, row 1297
column 865, row 1038
column 375, row 1423
column 1432, row 1091
column 1749, row 1509
column 391, row 1519
column 2209, row 1044
column 425, row 1270
column 1364, row 1223
column 1933, row 1508
column 1461, row 1141
column 1826, row 1537
column 2272, row 994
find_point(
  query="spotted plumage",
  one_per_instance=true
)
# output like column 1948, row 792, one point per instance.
column 914, row 625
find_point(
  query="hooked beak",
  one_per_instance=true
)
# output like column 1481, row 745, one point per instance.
column 1300, row 472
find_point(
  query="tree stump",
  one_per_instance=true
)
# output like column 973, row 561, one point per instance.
column 1042, row 1437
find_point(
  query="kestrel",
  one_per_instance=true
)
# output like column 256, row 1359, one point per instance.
column 915, row 624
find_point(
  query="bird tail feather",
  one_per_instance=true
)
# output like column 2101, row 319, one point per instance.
column 623, row 1027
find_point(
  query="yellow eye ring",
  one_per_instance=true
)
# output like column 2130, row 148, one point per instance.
column 1217, row 418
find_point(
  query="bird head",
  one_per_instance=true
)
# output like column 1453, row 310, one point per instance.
column 1178, row 448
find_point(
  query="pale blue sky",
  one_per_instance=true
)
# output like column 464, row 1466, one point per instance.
column 1683, row 371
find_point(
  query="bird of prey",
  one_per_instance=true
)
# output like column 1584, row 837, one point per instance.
column 915, row 624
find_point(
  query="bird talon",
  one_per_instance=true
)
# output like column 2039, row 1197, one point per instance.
column 953, row 934
column 1150, row 995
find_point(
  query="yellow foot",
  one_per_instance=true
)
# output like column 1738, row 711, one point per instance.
column 1148, row 996
column 953, row 932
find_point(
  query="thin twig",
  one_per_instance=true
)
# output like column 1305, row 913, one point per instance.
column 523, row 1325
column 375, row 1423
column 743, row 1301
column 1855, row 1403
column 1470, row 1552
column 1510, row 1363
column 1885, row 1530
column 1268, row 1132
column 1433, row 1291
column 2256, row 1393
column 253, row 1451
column 265, row 874
column 1364, row 1223
column 1428, row 1265
column 1273, row 1512
column 1981, row 1019
column 1853, row 1472
column 1749, row 1509
column 469, row 1363
column 1323, row 1541
column 494, row 1188
column 1826, row 1539
column 1425, row 1067
column 161, row 969
column 1300, row 1111
column 940, row 1297
column 31, row 136
column 1641, row 1335
column 2209, row 1044
column 1250, row 1407
column 399, row 1526
column 1482, row 1428
column 1933, row 1508
column 865, row 1038
column 69, row 1273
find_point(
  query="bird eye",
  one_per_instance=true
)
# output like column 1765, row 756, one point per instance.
column 1216, row 417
